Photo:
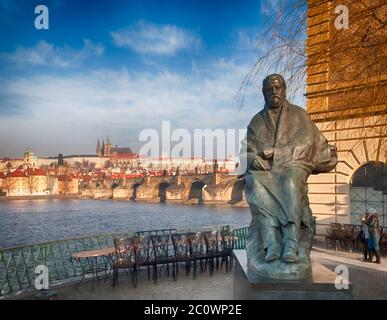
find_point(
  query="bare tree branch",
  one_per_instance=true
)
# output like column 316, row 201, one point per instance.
column 357, row 58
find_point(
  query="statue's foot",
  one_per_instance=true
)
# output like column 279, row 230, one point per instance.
column 290, row 255
column 272, row 254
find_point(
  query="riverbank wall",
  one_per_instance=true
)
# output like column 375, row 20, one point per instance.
column 106, row 196
column 42, row 197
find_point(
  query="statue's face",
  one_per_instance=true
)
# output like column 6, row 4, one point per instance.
column 274, row 93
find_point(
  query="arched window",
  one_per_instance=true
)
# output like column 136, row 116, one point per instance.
column 369, row 189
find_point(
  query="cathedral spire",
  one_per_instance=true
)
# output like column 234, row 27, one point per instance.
column 98, row 149
column 107, row 148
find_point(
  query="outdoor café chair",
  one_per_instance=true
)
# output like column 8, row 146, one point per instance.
column 383, row 241
column 357, row 236
column 143, row 256
column 348, row 235
column 226, row 248
column 155, row 232
column 124, row 258
column 162, row 253
column 181, row 252
column 212, row 252
column 334, row 234
column 196, row 247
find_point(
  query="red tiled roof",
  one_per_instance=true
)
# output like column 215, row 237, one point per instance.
column 18, row 173
column 156, row 173
column 35, row 172
column 116, row 176
column 133, row 175
column 124, row 155
column 64, row 178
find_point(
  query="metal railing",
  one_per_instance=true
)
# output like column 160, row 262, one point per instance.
column 17, row 264
column 241, row 235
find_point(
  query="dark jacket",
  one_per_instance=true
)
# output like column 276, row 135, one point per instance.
column 373, row 224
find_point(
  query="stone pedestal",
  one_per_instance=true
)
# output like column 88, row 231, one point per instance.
column 321, row 287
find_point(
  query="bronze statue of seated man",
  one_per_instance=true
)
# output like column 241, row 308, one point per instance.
column 283, row 147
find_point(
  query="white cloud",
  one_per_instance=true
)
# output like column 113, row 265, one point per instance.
column 46, row 54
column 270, row 7
column 156, row 39
column 245, row 40
column 68, row 113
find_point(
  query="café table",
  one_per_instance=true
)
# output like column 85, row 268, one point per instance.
column 92, row 257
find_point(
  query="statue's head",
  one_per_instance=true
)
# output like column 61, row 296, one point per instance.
column 274, row 90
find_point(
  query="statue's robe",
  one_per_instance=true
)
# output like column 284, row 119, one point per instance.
column 280, row 193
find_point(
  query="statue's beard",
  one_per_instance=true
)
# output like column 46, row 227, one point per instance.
column 275, row 102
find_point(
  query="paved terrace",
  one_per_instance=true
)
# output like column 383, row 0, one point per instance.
column 369, row 282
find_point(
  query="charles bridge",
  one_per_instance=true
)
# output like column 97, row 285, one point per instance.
column 197, row 188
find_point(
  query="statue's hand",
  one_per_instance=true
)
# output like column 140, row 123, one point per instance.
column 259, row 164
column 268, row 153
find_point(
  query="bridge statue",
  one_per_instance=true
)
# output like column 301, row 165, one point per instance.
column 282, row 148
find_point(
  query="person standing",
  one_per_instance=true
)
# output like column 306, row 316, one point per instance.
column 374, row 234
column 365, row 235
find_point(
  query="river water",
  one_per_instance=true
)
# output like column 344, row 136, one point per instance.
column 33, row 221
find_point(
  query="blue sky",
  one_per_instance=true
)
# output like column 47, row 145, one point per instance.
column 118, row 67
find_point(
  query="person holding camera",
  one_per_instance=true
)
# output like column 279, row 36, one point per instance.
column 364, row 236
column 372, row 221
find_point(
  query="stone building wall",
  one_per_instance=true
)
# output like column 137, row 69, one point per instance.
column 16, row 186
column 349, row 109
column 38, row 185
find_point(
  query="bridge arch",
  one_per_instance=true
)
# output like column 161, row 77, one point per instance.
column 163, row 190
column 134, row 192
column 196, row 191
column 237, row 191
column 234, row 191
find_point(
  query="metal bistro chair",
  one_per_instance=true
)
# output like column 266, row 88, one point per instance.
column 155, row 232
column 196, row 247
column 357, row 235
column 225, row 228
column 383, row 241
column 212, row 252
column 143, row 256
column 334, row 234
column 348, row 235
column 162, row 253
column 124, row 258
column 181, row 252
column 226, row 248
